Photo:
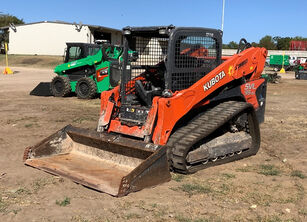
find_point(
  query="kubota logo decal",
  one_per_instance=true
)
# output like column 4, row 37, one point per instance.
column 214, row 80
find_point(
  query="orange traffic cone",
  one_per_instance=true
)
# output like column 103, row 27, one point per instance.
column 7, row 70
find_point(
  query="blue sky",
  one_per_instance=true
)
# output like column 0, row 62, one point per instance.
column 251, row 19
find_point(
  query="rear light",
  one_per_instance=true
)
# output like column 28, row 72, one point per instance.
column 101, row 73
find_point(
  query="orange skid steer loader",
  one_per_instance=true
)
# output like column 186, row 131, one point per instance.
column 179, row 106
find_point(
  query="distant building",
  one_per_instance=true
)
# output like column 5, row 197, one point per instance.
column 49, row 38
column 298, row 45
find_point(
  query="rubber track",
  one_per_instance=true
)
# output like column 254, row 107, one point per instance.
column 200, row 127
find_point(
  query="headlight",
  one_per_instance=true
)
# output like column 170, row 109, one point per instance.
column 102, row 73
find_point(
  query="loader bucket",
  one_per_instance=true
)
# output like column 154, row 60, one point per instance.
column 42, row 89
column 109, row 163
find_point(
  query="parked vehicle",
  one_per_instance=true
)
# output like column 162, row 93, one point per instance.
column 85, row 71
column 277, row 61
column 292, row 61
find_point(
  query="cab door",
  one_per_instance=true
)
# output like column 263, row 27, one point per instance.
column 73, row 53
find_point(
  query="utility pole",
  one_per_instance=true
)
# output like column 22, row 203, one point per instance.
column 223, row 16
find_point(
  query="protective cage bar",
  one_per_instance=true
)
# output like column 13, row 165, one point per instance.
column 151, row 52
column 191, row 54
column 195, row 56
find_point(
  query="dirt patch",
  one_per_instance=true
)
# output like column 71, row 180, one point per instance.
column 270, row 186
column 31, row 61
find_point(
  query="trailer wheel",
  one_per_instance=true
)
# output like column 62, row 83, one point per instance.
column 60, row 86
column 86, row 88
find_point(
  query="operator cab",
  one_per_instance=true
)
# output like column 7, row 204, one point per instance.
column 169, row 59
column 76, row 50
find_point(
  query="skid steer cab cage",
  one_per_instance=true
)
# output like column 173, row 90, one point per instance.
column 177, row 56
column 105, row 162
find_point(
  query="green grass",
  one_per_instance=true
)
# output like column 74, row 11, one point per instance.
column 64, row 202
column 154, row 205
column 177, row 177
column 259, row 198
column 3, row 206
column 28, row 125
column 269, row 170
column 180, row 218
column 228, row 176
column 295, row 197
column 298, row 173
column 159, row 213
column 15, row 211
column 79, row 218
column 303, row 212
column 224, row 189
column 132, row 216
column 273, row 218
column 23, row 191
column 42, row 182
column 245, row 169
column 60, row 120
column 192, row 189
column 300, row 192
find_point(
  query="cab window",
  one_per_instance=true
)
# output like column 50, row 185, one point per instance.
column 93, row 51
column 74, row 53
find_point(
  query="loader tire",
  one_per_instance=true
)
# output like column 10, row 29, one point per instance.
column 60, row 86
column 86, row 88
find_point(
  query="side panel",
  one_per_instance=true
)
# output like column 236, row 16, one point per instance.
column 255, row 94
column 90, row 60
column 103, row 85
column 249, row 92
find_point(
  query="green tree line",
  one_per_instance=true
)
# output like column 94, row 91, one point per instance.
column 268, row 42
column 6, row 20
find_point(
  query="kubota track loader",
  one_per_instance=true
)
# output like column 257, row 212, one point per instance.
column 180, row 106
